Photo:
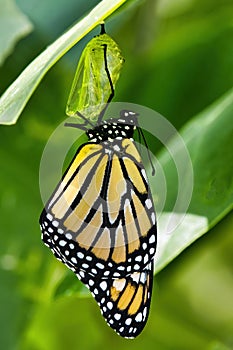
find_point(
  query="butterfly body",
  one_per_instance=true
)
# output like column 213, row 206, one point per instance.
column 100, row 222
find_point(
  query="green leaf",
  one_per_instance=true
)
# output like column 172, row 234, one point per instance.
column 209, row 140
column 70, row 285
column 17, row 95
column 171, row 244
column 14, row 25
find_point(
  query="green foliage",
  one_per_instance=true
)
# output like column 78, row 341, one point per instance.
column 178, row 61
column 212, row 196
column 13, row 26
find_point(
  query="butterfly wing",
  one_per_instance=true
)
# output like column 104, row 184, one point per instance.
column 100, row 222
column 124, row 302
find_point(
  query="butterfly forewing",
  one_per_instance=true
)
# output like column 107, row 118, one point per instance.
column 107, row 215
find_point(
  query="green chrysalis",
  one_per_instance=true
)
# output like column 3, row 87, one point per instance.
column 92, row 86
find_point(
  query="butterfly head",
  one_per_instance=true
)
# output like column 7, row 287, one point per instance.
column 122, row 127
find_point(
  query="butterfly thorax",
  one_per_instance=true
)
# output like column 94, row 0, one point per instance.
column 114, row 128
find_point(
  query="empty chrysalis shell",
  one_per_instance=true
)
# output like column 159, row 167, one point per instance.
column 91, row 87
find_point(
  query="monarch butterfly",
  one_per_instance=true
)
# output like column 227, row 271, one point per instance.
column 100, row 222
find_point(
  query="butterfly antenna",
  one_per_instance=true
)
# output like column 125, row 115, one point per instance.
column 148, row 152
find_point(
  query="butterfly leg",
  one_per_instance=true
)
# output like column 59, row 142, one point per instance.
column 80, row 126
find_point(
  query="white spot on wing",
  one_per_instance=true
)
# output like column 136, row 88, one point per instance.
column 103, row 285
column 110, row 305
column 135, row 276
column 85, row 266
column 117, row 316
column 116, row 148
column 153, row 218
column 152, row 239
column 121, row 268
column 146, row 258
column 49, row 216
column 148, row 203
column 143, row 172
column 128, row 321
column 138, row 258
column 74, row 260
column 144, row 312
column 55, row 223
column 152, row 250
column 119, row 284
column 138, row 318
column 100, row 266
column 82, row 274
column 143, row 277
column 116, row 274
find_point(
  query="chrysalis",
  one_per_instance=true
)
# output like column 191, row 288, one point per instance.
column 93, row 84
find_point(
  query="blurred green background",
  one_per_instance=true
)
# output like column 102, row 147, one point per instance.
column 179, row 60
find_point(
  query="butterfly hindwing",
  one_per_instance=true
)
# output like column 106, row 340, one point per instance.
column 124, row 302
